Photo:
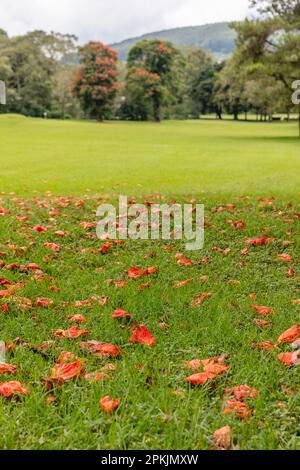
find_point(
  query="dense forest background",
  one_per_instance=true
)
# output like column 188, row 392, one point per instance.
column 49, row 74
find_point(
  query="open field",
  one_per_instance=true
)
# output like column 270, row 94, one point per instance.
column 198, row 311
column 140, row 158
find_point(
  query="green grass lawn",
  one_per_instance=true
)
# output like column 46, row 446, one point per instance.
column 220, row 164
column 140, row 158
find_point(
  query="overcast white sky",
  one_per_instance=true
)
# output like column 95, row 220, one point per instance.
column 113, row 20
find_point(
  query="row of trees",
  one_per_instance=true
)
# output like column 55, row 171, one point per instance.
column 38, row 69
column 48, row 73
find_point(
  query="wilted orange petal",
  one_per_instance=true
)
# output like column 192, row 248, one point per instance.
column 8, row 389
column 290, row 335
column 201, row 378
column 236, row 407
column 142, row 335
column 7, row 368
column 222, row 438
column 120, row 313
column 262, row 310
column 290, row 358
column 109, row 404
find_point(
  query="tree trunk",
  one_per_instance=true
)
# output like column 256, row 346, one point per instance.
column 156, row 108
column 299, row 119
column 219, row 113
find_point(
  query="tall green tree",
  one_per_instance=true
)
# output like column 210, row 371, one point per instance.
column 270, row 46
column 201, row 76
column 29, row 78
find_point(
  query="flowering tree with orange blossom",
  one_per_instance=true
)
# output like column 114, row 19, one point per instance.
column 149, row 67
column 96, row 81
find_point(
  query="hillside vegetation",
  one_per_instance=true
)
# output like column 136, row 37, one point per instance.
column 217, row 38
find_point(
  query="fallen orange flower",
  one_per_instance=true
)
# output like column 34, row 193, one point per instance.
column 32, row 266
column 265, row 345
column 65, row 357
column 39, row 228
column 198, row 363
column 142, row 335
column 120, row 313
column 284, row 257
column 290, row 335
column 77, row 318
column 43, row 302
column 134, row 272
column 257, row 241
column 63, row 372
column 184, row 262
column 52, row 246
column 262, row 310
column 222, row 438
column 72, row 332
column 106, row 247
column 263, row 323
column 238, row 408
column 8, row 389
column 201, row 378
column 97, row 376
column 109, row 404
column 290, row 358
column 7, row 368
column 291, row 272
column 88, row 224
column 182, row 283
column 216, row 369
column 101, row 349
column 242, row 392
column 201, row 297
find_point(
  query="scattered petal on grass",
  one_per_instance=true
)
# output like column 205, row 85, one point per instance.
column 263, row 323
column 142, row 335
column 241, row 392
column 265, row 345
column 197, row 364
column 72, row 332
column 7, row 369
column 284, row 257
column 238, row 408
column 216, row 369
column 290, row 335
column 222, row 438
column 290, row 358
column 201, row 297
column 201, row 378
column 63, row 372
column 39, row 228
column 108, row 404
column 52, row 246
column 43, row 302
column 101, row 349
column 264, row 311
column 182, row 283
column 97, row 376
column 257, row 241
column 120, row 313
column 9, row 389
column 77, row 318
column 184, row 262
column 134, row 272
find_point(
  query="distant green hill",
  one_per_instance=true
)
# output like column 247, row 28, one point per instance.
column 217, row 38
